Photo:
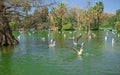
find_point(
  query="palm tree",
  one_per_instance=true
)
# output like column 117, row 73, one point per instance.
column 26, row 7
column 98, row 10
column 44, row 14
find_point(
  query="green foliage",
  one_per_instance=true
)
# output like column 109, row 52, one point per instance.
column 118, row 12
column 69, row 23
column 44, row 14
column 26, row 7
column 99, row 7
column 111, row 20
column 117, row 25
column 58, row 21
column 96, row 12
column 115, row 20
column 58, row 14
column 81, row 27
column 106, row 26
column 66, row 26
column 13, row 24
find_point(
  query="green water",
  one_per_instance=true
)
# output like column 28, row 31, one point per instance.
column 33, row 56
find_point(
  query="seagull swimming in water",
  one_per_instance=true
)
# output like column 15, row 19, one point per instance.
column 43, row 39
column 105, row 38
column 113, row 41
column 79, row 52
column 52, row 44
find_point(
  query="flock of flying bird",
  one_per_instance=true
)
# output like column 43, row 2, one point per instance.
column 75, row 41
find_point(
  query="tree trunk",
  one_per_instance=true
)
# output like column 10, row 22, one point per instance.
column 6, row 37
column 88, row 30
column 98, row 22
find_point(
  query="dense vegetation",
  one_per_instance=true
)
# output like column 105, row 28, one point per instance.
column 16, row 14
column 60, row 17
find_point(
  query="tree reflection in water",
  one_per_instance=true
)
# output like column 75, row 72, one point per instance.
column 5, row 60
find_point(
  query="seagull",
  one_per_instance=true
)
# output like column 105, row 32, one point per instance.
column 76, row 39
column 74, row 43
column 79, row 52
column 29, row 33
column 19, row 37
column 113, row 33
column 105, row 38
column 93, row 34
column 113, row 41
column 52, row 44
column 106, row 33
column 70, row 32
column 64, row 35
column 43, row 38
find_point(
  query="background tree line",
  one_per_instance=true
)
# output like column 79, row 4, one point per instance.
column 61, row 17
column 15, row 14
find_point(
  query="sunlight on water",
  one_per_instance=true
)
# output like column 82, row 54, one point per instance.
column 33, row 56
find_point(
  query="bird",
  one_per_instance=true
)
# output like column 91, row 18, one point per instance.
column 70, row 32
column 107, row 33
column 82, row 44
column 52, row 43
column 64, row 35
column 33, row 31
column 78, row 52
column 93, row 34
column 42, row 38
column 76, row 39
column 19, row 37
column 29, row 33
column 105, row 38
column 113, row 41
column 113, row 33
column 48, row 35
column 74, row 42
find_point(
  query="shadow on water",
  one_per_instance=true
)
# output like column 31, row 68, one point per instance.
column 5, row 60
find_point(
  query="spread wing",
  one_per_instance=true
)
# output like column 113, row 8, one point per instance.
column 78, row 37
column 72, row 49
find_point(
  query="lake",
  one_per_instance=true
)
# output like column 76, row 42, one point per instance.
column 33, row 56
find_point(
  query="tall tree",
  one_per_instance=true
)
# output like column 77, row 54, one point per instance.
column 26, row 7
column 58, row 14
column 76, row 14
column 6, row 37
column 117, row 22
column 118, row 12
column 44, row 14
column 87, row 18
column 98, row 10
